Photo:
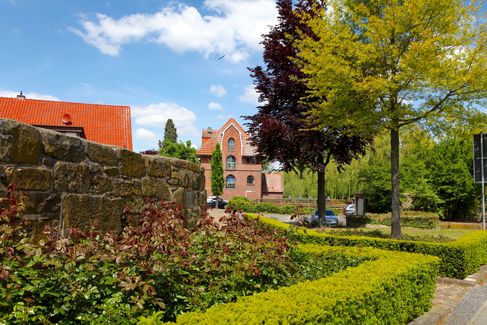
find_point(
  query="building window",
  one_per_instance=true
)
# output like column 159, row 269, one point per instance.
column 250, row 160
column 231, row 162
column 230, row 181
column 250, row 180
column 231, row 144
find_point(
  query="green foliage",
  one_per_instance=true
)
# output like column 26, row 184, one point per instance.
column 377, row 65
column 392, row 287
column 170, row 132
column 155, row 264
column 458, row 258
column 179, row 150
column 451, row 176
column 416, row 219
column 244, row 204
column 216, row 175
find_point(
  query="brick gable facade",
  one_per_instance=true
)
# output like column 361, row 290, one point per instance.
column 241, row 170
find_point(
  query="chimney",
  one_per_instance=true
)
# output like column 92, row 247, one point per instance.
column 206, row 135
column 20, row 96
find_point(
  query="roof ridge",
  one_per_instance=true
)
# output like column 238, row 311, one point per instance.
column 62, row 101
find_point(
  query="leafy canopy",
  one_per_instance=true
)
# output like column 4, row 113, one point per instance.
column 179, row 150
column 391, row 63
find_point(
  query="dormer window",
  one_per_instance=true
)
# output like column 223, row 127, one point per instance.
column 231, row 144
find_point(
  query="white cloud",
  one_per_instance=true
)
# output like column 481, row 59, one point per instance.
column 144, row 134
column 156, row 115
column 218, row 90
column 234, row 28
column 11, row 93
column 214, row 106
column 250, row 96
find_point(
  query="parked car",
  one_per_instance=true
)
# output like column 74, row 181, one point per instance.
column 211, row 202
column 349, row 210
column 331, row 219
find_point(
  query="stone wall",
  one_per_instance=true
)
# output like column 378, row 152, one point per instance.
column 71, row 182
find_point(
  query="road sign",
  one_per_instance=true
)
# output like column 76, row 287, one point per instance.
column 479, row 156
column 479, row 166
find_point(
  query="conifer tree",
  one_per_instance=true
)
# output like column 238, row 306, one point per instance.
column 217, row 180
column 170, row 133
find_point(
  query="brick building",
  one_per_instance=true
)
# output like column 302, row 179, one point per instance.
column 106, row 124
column 241, row 170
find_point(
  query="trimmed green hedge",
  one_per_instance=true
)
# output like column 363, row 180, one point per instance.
column 392, row 288
column 248, row 206
column 459, row 258
column 417, row 219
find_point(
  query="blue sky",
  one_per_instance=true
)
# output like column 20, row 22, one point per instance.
column 161, row 57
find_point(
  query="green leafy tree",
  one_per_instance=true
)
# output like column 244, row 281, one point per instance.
column 179, row 150
column 217, row 180
column 170, row 133
column 451, row 177
column 278, row 130
column 388, row 64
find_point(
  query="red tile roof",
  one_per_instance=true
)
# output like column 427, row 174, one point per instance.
column 107, row 124
column 216, row 136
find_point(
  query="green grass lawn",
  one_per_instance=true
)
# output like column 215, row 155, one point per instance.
column 439, row 235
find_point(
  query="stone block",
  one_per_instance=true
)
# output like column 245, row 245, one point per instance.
column 147, row 184
column 157, row 166
column 202, row 200
column 91, row 212
column 70, row 177
column 131, row 163
column 29, row 178
column 162, row 190
column 45, row 204
column 19, row 143
column 112, row 171
column 101, row 184
column 190, row 200
column 122, row 187
column 178, row 197
column 174, row 180
column 184, row 164
column 136, row 187
column 201, row 181
column 102, row 154
column 62, row 146
column 185, row 177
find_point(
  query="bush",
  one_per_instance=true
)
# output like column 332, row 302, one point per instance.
column 244, row 204
column 416, row 219
column 459, row 258
column 154, row 264
column 392, row 287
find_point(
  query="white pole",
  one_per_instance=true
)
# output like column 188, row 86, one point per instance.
column 483, row 177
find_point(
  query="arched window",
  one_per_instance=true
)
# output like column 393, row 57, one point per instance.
column 231, row 162
column 230, row 181
column 231, row 144
column 250, row 180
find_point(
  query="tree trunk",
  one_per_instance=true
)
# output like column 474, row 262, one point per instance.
column 321, row 196
column 396, row 204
